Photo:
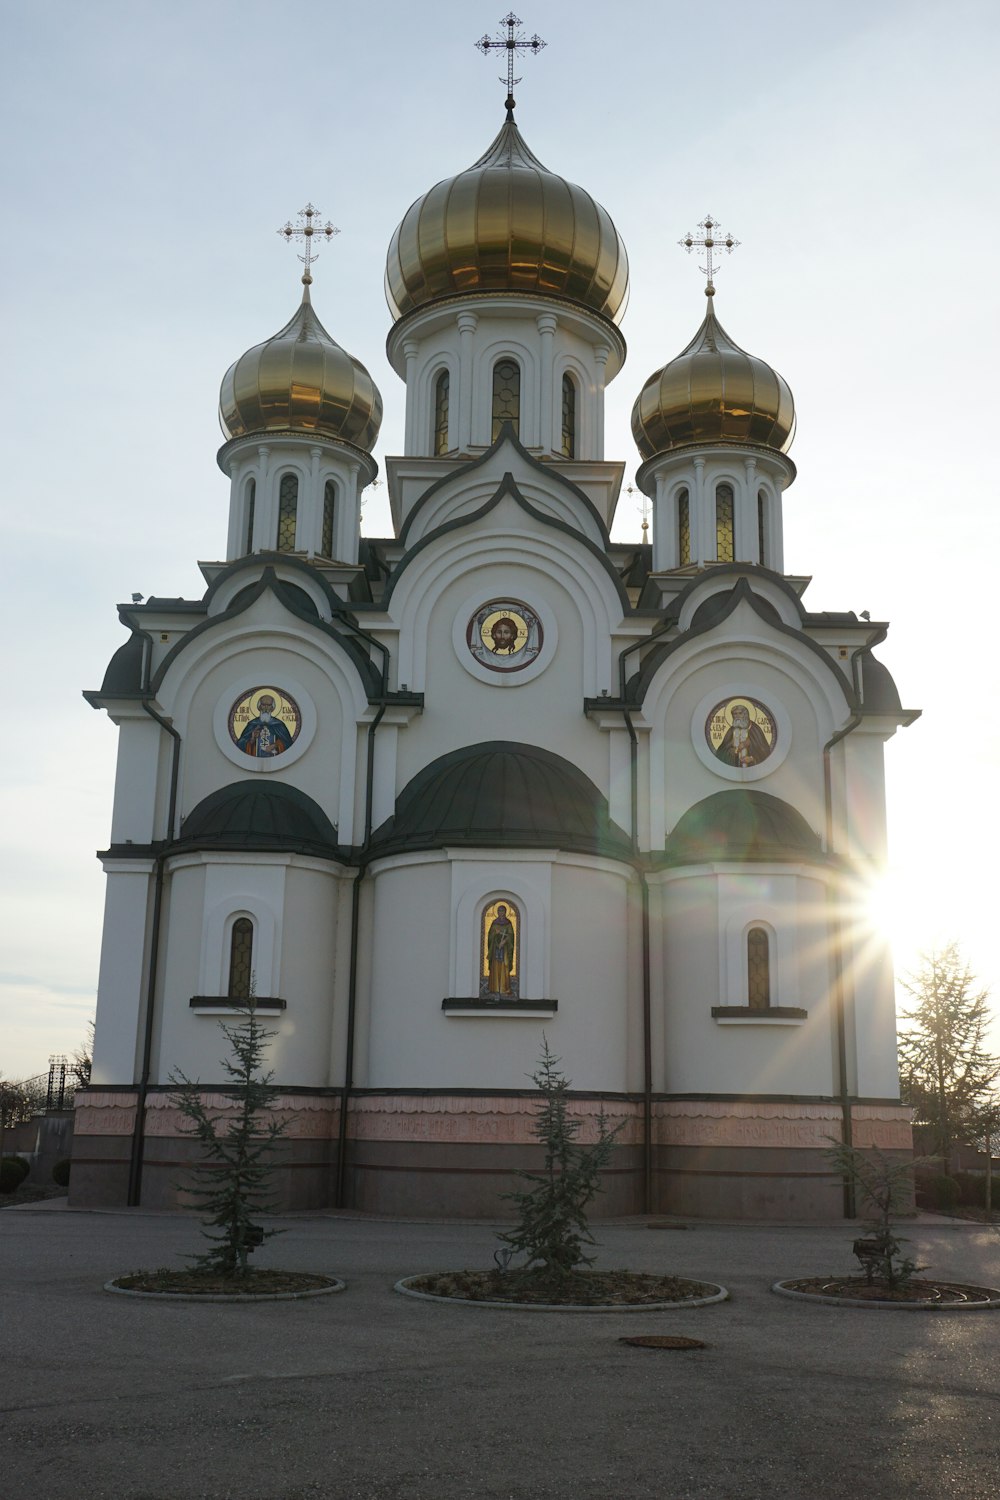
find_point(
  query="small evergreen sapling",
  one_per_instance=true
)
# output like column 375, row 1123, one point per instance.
column 552, row 1225
column 238, row 1149
column 886, row 1183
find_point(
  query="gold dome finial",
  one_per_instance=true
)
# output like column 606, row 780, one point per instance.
column 709, row 240
column 515, row 44
column 306, row 231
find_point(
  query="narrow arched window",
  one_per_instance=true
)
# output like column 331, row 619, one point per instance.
column 683, row 529
column 240, row 959
column 761, row 527
column 568, row 417
column 724, row 522
column 506, row 396
column 288, row 505
column 758, row 969
column 500, row 949
column 329, row 496
column 442, row 397
column 251, row 501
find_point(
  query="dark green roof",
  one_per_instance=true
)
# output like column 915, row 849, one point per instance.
column 740, row 825
column 124, row 673
column 879, row 692
column 259, row 815
column 502, row 795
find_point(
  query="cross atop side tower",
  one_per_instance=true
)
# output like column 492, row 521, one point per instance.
column 307, row 231
column 711, row 238
column 515, row 44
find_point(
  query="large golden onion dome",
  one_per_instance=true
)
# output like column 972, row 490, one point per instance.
column 301, row 380
column 507, row 224
column 713, row 392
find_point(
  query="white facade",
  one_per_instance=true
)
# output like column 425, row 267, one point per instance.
column 681, row 888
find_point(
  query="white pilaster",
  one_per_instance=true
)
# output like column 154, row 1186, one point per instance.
column 547, row 323
column 601, row 355
column 410, row 351
column 467, row 325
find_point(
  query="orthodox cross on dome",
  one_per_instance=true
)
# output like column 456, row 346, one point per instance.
column 307, row 231
column 712, row 238
column 643, row 511
column 515, row 44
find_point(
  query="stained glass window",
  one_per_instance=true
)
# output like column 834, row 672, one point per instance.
column 506, row 396
column 724, row 522
column 251, row 500
column 288, row 504
column 442, row 393
column 761, row 528
column 329, row 495
column 758, row 969
column 683, row 529
column 240, row 959
column 568, row 417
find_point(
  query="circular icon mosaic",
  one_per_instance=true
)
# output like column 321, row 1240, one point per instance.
column 264, row 722
column 504, row 635
column 741, row 732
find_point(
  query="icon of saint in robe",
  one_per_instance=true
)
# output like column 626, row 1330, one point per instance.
column 500, row 952
column 265, row 735
column 744, row 742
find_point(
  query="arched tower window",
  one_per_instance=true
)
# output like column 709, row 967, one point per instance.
column 758, row 969
column 500, row 945
column 288, row 505
column 683, row 529
column 506, row 396
column 724, row 522
column 761, row 527
column 329, row 497
column 251, row 501
column 442, row 396
column 240, row 959
column 568, row 417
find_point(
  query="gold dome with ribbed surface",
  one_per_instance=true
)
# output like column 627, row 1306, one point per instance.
column 507, row 224
column 301, row 380
column 713, row 392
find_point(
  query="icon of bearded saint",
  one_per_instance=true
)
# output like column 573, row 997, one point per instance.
column 744, row 743
column 504, row 635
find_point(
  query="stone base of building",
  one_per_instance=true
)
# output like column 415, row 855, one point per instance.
column 457, row 1155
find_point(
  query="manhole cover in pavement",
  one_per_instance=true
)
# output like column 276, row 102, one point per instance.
column 664, row 1341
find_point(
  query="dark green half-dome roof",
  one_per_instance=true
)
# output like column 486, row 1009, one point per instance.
column 252, row 814
column 740, row 825
column 502, row 795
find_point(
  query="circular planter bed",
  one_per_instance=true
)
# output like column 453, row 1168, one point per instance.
column 918, row 1295
column 200, row 1286
column 581, row 1291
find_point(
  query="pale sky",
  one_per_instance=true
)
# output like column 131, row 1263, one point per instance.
column 153, row 150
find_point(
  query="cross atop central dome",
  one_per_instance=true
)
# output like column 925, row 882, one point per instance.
column 507, row 224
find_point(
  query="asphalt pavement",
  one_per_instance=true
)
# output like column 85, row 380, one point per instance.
column 367, row 1395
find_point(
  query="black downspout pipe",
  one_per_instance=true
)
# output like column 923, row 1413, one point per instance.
column 139, row 1128
column 352, row 984
column 647, row 1028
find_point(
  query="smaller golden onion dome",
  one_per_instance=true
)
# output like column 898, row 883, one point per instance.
column 713, row 392
column 507, row 224
column 301, row 380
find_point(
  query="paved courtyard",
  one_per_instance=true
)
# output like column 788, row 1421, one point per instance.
column 372, row 1396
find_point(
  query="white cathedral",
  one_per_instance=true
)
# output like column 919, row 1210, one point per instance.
column 436, row 796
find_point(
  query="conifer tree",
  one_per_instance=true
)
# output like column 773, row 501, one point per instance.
column 944, row 1067
column 238, row 1149
column 552, row 1226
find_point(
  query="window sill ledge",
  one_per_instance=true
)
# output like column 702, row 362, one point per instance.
column 478, row 1006
column 772, row 1015
column 222, row 1005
